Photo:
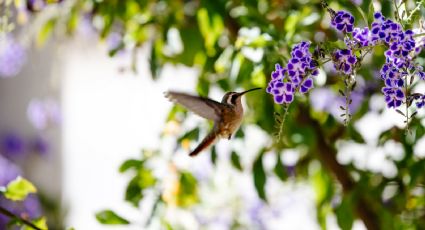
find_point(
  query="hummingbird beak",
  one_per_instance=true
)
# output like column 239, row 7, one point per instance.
column 244, row 92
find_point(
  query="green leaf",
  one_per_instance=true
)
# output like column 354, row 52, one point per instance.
column 354, row 135
column 45, row 32
column 131, row 163
column 154, row 59
column 344, row 215
column 188, row 190
column 39, row 222
column 18, row 189
column 191, row 135
column 240, row 133
column 133, row 193
column 260, row 177
column 110, row 217
column 236, row 161
column 213, row 155
column 115, row 50
column 146, row 178
column 279, row 169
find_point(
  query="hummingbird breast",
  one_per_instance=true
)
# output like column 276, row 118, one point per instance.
column 231, row 120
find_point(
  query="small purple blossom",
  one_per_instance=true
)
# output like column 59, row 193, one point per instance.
column 30, row 207
column 40, row 145
column 41, row 113
column 114, row 42
column 393, row 92
column 8, row 171
column 12, row 57
column 420, row 102
column 384, row 29
column 326, row 100
column 283, row 92
column 344, row 60
column 388, row 71
column 362, row 36
column 343, row 21
column 12, row 145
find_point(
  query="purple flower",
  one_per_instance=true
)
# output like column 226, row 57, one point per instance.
column 30, row 208
column 278, row 74
column 306, row 85
column 8, row 171
column 12, row 57
column 43, row 112
column 420, row 73
column 361, row 36
column 393, row 92
column 420, row 101
column 344, row 61
column 40, row 145
column 114, row 42
column 343, row 21
column 283, row 92
column 388, row 71
column 12, row 145
column 326, row 100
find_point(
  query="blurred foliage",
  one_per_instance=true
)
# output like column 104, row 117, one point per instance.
column 235, row 44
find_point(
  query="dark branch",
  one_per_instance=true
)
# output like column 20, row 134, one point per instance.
column 24, row 221
column 327, row 155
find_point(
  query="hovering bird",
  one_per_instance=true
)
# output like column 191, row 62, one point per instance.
column 227, row 114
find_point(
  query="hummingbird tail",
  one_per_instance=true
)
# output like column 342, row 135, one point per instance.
column 207, row 141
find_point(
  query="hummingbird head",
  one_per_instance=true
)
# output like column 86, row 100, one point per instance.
column 233, row 97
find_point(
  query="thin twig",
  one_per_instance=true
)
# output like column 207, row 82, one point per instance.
column 285, row 113
column 24, row 221
column 413, row 12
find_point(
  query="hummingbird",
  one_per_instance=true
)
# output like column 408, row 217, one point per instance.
column 227, row 115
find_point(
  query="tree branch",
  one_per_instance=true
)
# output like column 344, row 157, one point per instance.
column 24, row 221
column 327, row 155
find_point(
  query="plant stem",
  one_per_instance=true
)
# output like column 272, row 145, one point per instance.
column 406, row 89
column 413, row 12
column 347, row 102
column 285, row 113
column 24, row 221
column 419, row 35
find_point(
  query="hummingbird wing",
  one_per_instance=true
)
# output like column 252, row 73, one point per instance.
column 207, row 141
column 202, row 106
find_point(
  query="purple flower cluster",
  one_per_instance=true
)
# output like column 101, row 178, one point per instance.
column 401, row 45
column 344, row 61
column 294, row 76
column 343, row 21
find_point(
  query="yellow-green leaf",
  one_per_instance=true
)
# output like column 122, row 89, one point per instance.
column 18, row 189
column 39, row 222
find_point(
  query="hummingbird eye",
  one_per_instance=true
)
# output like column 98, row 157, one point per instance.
column 233, row 98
